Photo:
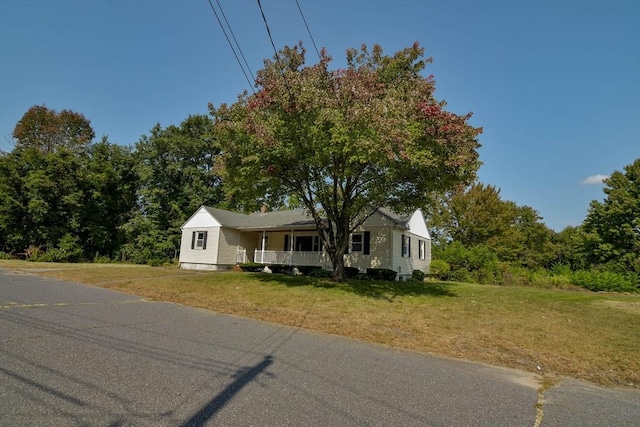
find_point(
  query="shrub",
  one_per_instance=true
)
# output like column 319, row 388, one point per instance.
column 280, row 268
column 32, row 253
column 101, row 259
column 607, row 281
column 417, row 276
column 307, row 270
column 252, row 267
column 4, row 255
column 319, row 272
column 439, row 269
column 351, row 272
column 156, row 262
column 381, row 274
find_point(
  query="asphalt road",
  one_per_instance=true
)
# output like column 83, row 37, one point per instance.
column 77, row 355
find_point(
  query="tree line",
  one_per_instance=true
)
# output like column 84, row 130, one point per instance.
column 339, row 143
column 65, row 197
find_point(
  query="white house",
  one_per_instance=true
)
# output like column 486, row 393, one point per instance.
column 216, row 239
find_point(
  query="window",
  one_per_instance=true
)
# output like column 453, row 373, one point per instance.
column 406, row 246
column 199, row 240
column 356, row 243
column 422, row 253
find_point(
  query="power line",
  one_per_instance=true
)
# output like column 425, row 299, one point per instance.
column 282, row 71
column 232, row 48
column 264, row 18
column 308, row 30
column 235, row 40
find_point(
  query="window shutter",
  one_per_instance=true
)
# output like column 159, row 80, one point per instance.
column 193, row 240
column 204, row 244
column 366, row 246
column 409, row 246
column 286, row 243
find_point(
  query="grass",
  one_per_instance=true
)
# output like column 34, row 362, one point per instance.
column 580, row 334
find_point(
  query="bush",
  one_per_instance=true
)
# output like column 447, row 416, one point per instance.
column 607, row 281
column 319, row 272
column 417, row 276
column 4, row 255
column 280, row 268
column 307, row 270
column 32, row 253
column 351, row 272
column 101, row 259
column 381, row 274
column 439, row 269
column 253, row 267
column 156, row 262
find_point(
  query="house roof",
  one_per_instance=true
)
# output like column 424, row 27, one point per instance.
column 289, row 219
column 296, row 219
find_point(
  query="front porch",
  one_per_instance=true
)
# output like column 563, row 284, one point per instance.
column 301, row 258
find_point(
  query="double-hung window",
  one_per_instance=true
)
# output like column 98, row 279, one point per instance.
column 356, row 243
column 406, row 246
column 199, row 240
column 422, row 252
column 361, row 242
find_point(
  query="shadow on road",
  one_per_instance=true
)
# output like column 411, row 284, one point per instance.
column 242, row 378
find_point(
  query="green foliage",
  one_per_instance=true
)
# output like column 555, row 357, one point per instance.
column 320, row 273
column 47, row 130
column 174, row 167
column 4, row 255
column 57, row 186
column 417, row 276
column 477, row 216
column 439, row 269
column 608, row 281
column 343, row 143
column 381, row 274
column 477, row 265
column 156, row 262
column 102, row 259
column 252, row 267
column 613, row 226
column 351, row 272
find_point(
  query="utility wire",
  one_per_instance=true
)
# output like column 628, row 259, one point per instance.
column 308, row 30
column 232, row 48
column 282, row 71
column 235, row 40
column 264, row 18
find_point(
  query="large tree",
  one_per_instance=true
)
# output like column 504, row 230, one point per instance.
column 477, row 216
column 345, row 141
column 614, row 224
column 175, row 170
column 59, row 192
column 48, row 130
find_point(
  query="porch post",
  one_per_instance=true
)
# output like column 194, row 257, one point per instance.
column 264, row 232
column 291, row 247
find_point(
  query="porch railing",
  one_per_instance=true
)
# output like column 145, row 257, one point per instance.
column 289, row 258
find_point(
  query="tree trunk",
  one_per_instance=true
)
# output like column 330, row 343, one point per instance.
column 337, row 261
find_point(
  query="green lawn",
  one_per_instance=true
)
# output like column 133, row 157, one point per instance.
column 595, row 337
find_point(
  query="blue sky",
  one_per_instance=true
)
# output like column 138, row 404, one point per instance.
column 554, row 84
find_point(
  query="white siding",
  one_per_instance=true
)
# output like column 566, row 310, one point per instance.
column 405, row 265
column 380, row 250
column 196, row 255
column 230, row 242
column 201, row 219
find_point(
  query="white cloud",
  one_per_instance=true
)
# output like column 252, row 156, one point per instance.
column 594, row 179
